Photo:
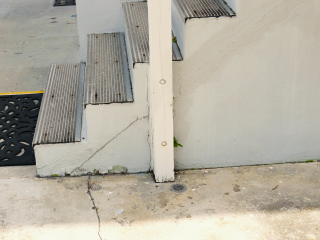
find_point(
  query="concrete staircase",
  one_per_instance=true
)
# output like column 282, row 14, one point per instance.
column 94, row 116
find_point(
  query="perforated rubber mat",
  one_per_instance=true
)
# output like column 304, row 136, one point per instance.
column 18, row 118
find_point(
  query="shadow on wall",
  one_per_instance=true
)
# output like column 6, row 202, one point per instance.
column 233, row 4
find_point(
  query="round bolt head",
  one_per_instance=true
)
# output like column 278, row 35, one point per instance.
column 164, row 143
column 162, row 81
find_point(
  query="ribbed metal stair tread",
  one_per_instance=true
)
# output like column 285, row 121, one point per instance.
column 107, row 78
column 204, row 8
column 58, row 112
column 136, row 15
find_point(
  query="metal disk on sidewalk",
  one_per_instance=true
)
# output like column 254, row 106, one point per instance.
column 64, row 2
column 18, row 118
column 178, row 188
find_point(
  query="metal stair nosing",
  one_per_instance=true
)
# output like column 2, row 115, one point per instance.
column 204, row 8
column 107, row 78
column 60, row 114
column 129, row 56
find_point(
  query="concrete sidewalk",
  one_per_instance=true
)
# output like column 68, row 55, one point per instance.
column 260, row 202
column 34, row 35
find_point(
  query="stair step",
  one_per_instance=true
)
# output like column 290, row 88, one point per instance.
column 57, row 121
column 107, row 78
column 136, row 15
column 204, row 8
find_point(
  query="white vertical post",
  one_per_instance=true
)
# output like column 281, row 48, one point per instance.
column 160, row 89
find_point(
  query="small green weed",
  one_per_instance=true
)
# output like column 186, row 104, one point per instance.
column 54, row 175
column 309, row 160
column 175, row 143
column 174, row 39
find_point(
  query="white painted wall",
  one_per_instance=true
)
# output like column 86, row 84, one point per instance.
column 98, row 16
column 247, row 91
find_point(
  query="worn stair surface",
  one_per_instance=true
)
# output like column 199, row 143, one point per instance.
column 204, row 8
column 136, row 15
column 59, row 115
column 107, row 75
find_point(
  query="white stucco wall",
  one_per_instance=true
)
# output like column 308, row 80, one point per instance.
column 247, row 91
column 98, row 16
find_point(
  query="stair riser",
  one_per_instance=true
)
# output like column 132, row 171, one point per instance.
column 129, row 149
column 178, row 27
column 118, row 113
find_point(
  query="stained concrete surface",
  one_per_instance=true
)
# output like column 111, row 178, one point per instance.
column 34, row 35
column 258, row 202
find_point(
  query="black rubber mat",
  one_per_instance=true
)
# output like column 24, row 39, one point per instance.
column 18, row 118
column 64, row 2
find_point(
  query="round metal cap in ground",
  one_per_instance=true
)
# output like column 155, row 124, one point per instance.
column 178, row 188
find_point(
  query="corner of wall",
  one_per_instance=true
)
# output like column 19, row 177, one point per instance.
column 233, row 4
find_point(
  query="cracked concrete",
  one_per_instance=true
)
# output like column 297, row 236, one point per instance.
column 94, row 205
column 80, row 170
column 33, row 208
column 257, row 202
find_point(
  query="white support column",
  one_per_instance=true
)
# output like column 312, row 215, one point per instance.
column 160, row 89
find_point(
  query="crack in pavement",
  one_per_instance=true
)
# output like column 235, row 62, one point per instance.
column 94, row 205
column 79, row 168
